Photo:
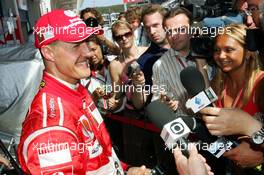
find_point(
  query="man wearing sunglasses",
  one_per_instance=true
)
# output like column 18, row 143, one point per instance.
column 63, row 132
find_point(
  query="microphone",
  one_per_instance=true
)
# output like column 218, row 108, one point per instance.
column 134, row 67
column 175, row 129
column 193, row 82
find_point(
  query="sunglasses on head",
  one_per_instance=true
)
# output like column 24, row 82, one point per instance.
column 91, row 22
column 120, row 37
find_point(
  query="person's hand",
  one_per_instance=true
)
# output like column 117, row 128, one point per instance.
column 139, row 171
column 225, row 121
column 244, row 156
column 4, row 161
column 195, row 165
column 138, row 79
column 173, row 104
column 98, row 93
column 112, row 103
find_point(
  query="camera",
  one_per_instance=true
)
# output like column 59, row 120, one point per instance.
column 202, row 8
column 208, row 8
column 202, row 47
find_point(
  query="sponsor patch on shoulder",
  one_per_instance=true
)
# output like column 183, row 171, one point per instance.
column 54, row 154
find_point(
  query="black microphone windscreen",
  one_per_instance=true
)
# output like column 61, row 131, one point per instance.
column 192, row 80
column 160, row 114
column 189, row 121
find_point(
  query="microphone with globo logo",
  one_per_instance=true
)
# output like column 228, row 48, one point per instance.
column 174, row 128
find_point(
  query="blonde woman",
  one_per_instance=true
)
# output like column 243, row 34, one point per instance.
column 239, row 71
column 239, row 84
column 123, row 36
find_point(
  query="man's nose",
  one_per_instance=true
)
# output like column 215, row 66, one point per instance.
column 249, row 21
column 151, row 30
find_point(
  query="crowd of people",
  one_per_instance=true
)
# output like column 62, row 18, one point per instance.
column 88, row 77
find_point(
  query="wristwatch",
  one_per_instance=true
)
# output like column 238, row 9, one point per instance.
column 257, row 138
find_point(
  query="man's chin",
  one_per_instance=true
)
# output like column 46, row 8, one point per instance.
column 159, row 41
column 84, row 75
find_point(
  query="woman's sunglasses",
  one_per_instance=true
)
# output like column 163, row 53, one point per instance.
column 91, row 22
column 120, row 37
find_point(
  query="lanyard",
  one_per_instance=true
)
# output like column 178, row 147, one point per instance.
column 237, row 99
column 184, row 65
column 93, row 74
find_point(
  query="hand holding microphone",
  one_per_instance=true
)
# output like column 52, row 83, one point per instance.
column 193, row 82
column 225, row 121
column 138, row 79
column 98, row 93
column 134, row 67
column 134, row 72
column 169, row 100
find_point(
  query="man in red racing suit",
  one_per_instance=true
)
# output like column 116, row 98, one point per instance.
column 64, row 132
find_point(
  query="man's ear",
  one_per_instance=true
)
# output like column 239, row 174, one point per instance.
column 48, row 53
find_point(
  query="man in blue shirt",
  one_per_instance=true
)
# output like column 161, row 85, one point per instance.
column 152, row 17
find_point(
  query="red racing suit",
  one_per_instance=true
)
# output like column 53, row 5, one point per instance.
column 64, row 134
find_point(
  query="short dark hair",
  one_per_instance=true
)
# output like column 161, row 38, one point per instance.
column 96, row 13
column 94, row 39
column 177, row 11
column 153, row 8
